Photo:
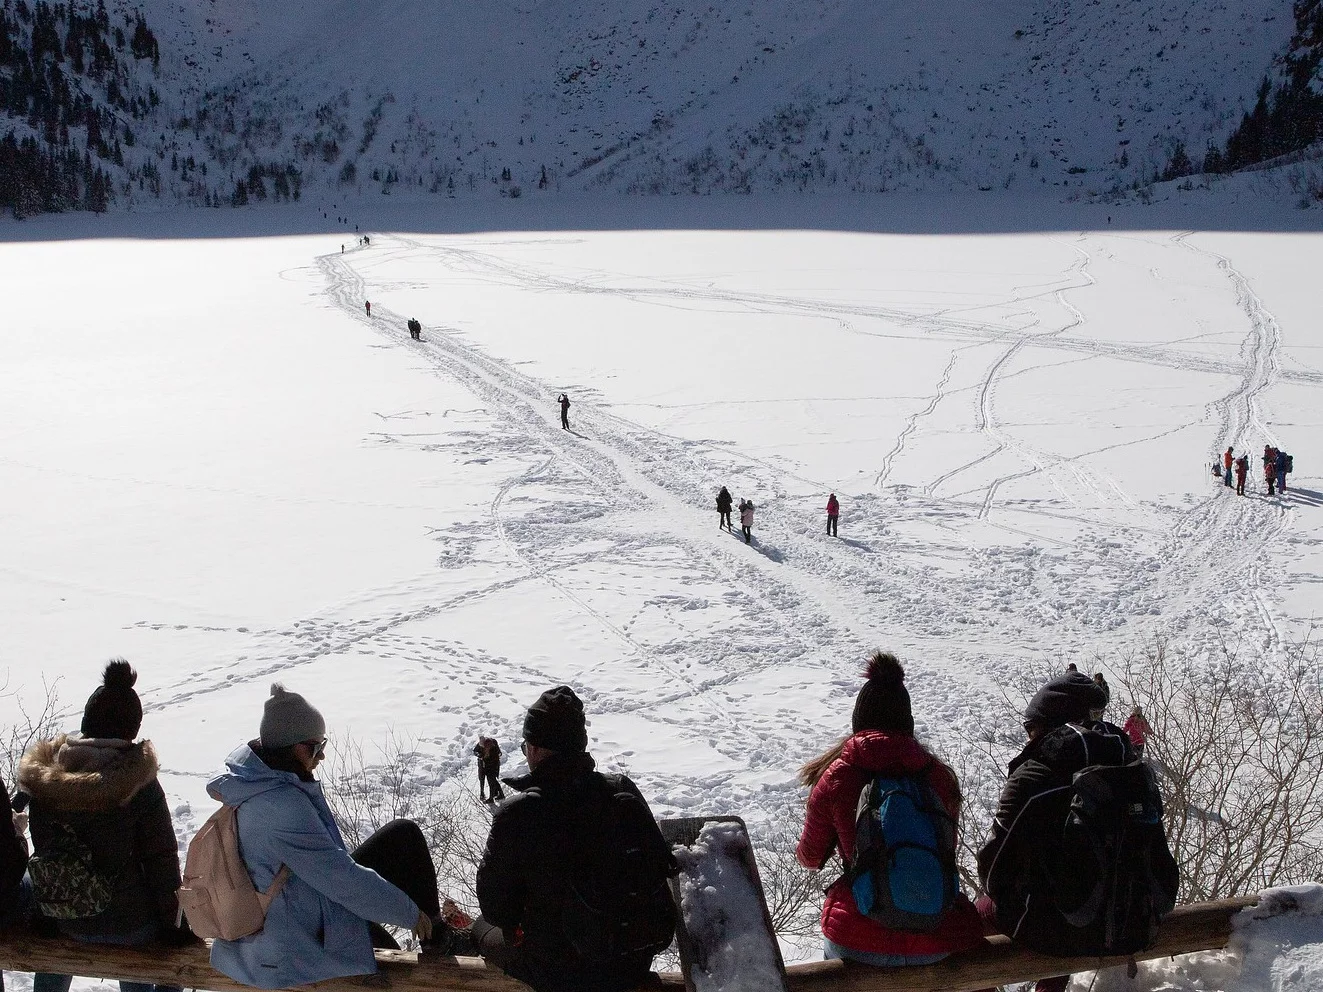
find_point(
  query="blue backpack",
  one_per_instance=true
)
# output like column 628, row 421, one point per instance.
column 904, row 870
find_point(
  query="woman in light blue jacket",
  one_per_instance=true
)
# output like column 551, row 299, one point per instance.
column 318, row 925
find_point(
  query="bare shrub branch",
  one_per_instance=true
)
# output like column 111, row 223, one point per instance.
column 1238, row 747
column 368, row 789
column 794, row 893
column 33, row 724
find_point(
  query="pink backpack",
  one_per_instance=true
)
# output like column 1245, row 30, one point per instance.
column 218, row 896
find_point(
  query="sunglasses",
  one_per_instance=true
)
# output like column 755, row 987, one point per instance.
column 318, row 747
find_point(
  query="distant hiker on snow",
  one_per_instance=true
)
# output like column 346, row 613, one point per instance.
column 1137, row 729
column 1270, row 467
column 746, row 520
column 489, row 770
column 564, row 402
column 1101, row 683
column 833, row 512
column 1227, row 460
column 367, row 305
column 881, row 755
column 1283, row 466
column 415, row 329
column 723, row 509
column 1242, row 470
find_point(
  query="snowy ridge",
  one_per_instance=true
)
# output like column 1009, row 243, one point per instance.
column 463, row 99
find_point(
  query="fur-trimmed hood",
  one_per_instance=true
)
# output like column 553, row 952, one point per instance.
column 72, row 773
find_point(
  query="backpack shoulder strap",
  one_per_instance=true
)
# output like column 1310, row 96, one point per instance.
column 274, row 889
column 282, row 875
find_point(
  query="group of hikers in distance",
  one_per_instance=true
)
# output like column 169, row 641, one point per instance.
column 1277, row 464
column 573, row 886
column 725, row 503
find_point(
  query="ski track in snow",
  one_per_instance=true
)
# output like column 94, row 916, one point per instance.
column 793, row 600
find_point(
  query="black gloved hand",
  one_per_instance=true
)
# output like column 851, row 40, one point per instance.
column 180, row 936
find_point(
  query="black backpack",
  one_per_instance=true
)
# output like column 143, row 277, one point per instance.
column 1289, row 464
column 618, row 904
column 1113, row 877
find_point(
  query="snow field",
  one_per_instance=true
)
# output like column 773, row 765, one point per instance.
column 218, row 466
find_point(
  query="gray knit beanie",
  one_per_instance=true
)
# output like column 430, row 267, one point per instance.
column 288, row 719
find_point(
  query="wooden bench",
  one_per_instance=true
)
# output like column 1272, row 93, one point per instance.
column 1205, row 926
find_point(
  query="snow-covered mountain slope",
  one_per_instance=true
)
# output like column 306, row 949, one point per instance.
column 695, row 95
column 800, row 93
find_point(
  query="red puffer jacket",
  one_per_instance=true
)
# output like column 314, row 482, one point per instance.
column 830, row 822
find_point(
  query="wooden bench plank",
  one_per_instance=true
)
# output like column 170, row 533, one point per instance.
column 1205, row 926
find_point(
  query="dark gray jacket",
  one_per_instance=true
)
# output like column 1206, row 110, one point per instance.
column 107, row 792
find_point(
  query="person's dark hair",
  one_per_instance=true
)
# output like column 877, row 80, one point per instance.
column 282, row 759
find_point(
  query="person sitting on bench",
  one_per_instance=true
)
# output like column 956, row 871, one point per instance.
column 107, row 865
column 317, row 927
column 882, row 754
column 571, row 841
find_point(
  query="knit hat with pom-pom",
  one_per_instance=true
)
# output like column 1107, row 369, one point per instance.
column 114, row 709
column 289, row 719
column 883, row 703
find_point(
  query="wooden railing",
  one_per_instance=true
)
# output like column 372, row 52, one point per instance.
column 1205, row 926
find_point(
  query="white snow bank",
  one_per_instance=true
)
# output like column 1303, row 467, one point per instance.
column 724, row 915
column 1276, row 946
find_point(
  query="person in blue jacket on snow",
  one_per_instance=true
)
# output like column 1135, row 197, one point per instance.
column 318, row 925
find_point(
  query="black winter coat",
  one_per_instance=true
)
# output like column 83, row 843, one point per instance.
column 13, row 854
column 724, row 502
column 1030, row 816
column 107, row 792
column 522, row 881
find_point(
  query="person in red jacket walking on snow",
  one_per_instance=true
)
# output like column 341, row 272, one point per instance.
column 882, row 744
column 1137, row 729
column 833, row 511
